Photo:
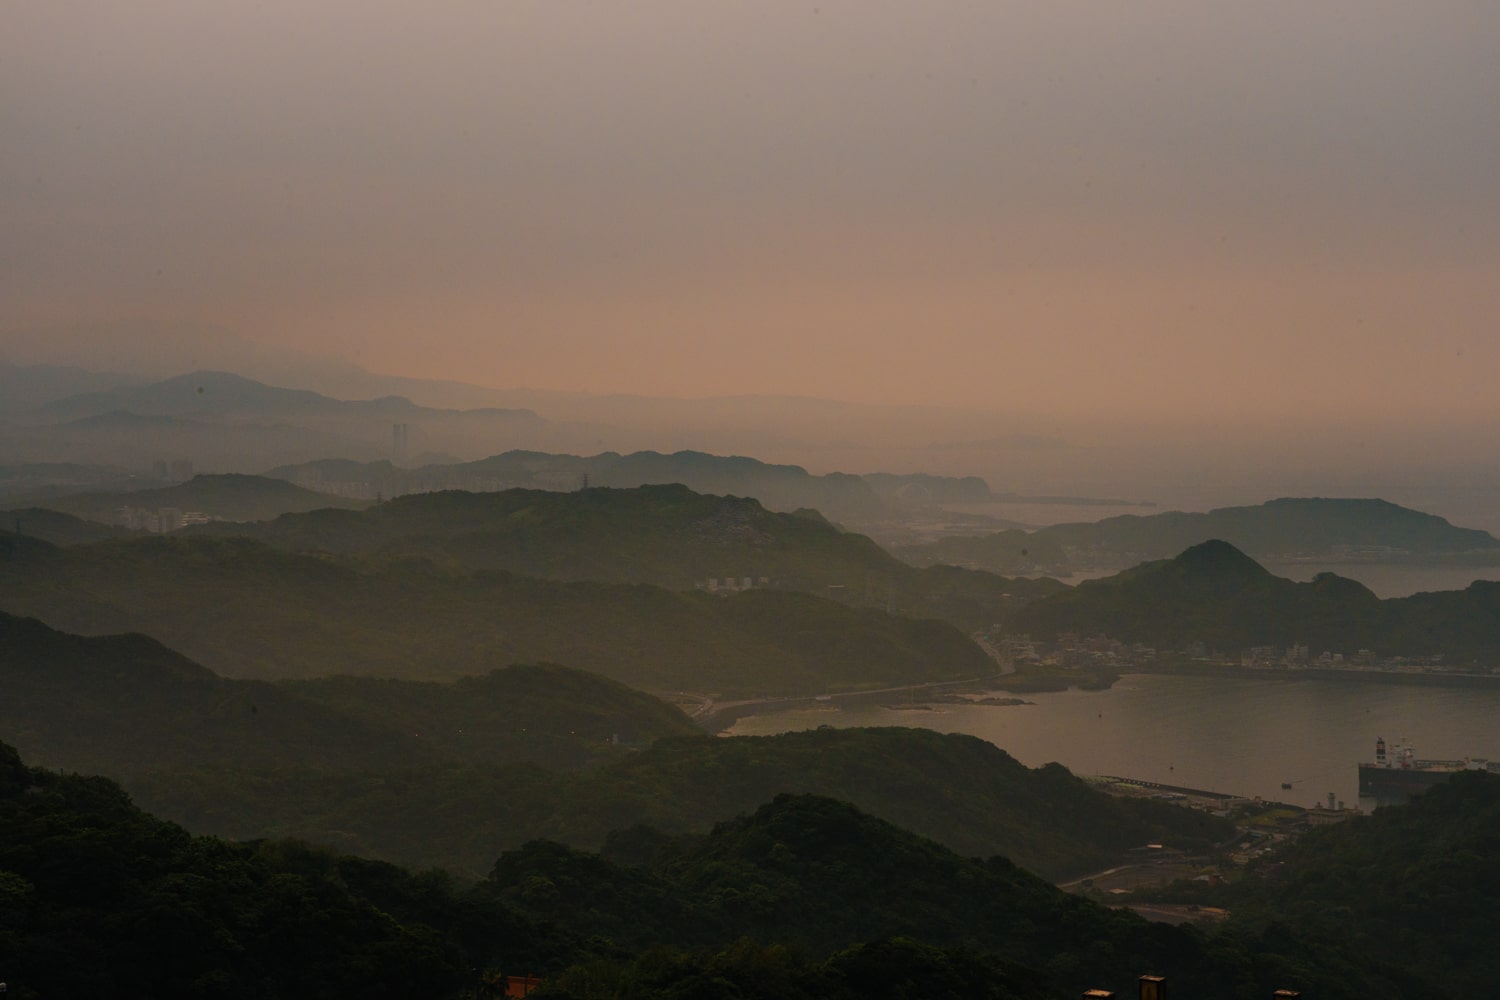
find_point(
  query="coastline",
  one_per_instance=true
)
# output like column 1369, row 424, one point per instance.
column 1425, row 678
column 720, row 717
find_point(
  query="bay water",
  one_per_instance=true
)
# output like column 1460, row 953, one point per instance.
column 1245, row 736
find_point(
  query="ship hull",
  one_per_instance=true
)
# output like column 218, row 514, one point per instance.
column 1397, row 784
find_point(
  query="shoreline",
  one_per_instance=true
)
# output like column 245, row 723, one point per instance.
column 720, row 718
column 1427, row 679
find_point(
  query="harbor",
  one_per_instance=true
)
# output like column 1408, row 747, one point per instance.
column 1228, row 734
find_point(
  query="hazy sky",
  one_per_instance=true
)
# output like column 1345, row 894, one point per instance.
column 1171, row 208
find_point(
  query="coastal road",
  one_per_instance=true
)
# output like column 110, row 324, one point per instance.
column 716, row 716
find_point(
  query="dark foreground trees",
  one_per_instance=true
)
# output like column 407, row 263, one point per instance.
column 806, row 897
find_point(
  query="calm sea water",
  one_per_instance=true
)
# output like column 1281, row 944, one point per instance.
column 1244, row 736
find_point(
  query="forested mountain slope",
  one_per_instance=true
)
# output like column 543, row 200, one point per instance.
column 246, row 609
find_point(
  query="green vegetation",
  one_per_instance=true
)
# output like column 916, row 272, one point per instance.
column 802, row 897
column 970, row 599
column 958, row 790
column 1215, row 594
column 820, row 876
column 125, row 703
column 1403, row 898
column 1412, row 887
column 129, row 705
column 246, row 609
column 56, row 527
column 664, row 535
column 527, row 713
column 100, row 899
column 451, row 773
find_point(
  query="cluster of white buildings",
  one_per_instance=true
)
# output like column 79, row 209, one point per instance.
column 159, row 521
column 732, row 584
column 1072, row 650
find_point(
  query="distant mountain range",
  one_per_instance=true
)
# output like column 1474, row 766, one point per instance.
column 26, row 387
column 779, row 487
column 227, row 496
column 1215, row 594
column 860, row 500
column 1285, row 529
column 217, row 395
column 663, row 535
column 390, row 446
column 670, row 536
column 229, row 423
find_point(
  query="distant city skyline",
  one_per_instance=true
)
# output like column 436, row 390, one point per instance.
column 1164, row 210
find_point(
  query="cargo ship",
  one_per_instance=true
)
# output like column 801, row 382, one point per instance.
column 1397, row 774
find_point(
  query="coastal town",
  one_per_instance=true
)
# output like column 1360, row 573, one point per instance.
column 1095, row 653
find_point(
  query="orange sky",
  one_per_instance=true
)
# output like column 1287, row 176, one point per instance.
column 1171, row 209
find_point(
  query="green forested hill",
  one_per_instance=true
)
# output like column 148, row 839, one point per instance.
column 1215, row 594
column 246, row 609
column 100, row 899
column 1412, row 890
column 803, row 897
column 125, row 703
column 817, row 874
column 128, row 705
column 665, row 535
column 535, row 713
column 958, row 790
column 452, row 773
column 821, row 876
column 56, row 527
column 1393, row 906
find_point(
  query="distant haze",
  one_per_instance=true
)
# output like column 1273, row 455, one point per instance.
column 1174, row 219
